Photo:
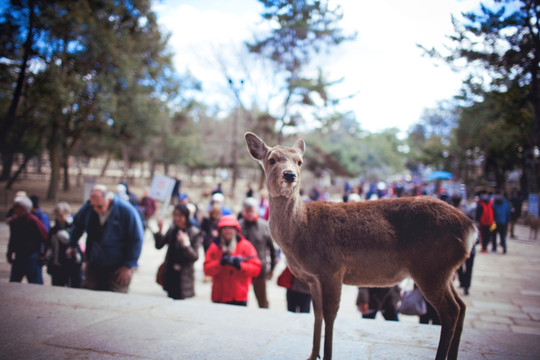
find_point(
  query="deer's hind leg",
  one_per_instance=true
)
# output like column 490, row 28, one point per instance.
column 454, row 345
column 441, row 296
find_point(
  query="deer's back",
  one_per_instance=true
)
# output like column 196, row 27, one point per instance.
column 399, row 232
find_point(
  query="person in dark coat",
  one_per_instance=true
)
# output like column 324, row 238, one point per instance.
column 64, row 262
column 183, row 241
column 26, row 241
column 516, row 203
column 257, row 232
column 371, row 300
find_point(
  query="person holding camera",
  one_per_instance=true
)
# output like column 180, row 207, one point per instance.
column 183, row 241
column 232, row 262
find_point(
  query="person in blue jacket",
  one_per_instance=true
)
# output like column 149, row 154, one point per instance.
column 114, row 237
column 36, row 210
column 502, row 215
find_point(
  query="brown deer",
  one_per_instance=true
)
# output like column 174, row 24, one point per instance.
column 376, row 243
column 533, row 223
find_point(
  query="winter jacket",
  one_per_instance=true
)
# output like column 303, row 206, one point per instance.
column 179, row 279
column 480, row 208
column 58, row 246
column 230, row 284
column 118, row 242
column 501, row 211
column 44, row 218
column 27, row 235
column 258, row 234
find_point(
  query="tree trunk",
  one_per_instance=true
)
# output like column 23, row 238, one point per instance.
column 18, row 172
column 125, row 160
column 7, row 163
column 8, row 122
column 106, row 165
column 54, row 156
column 65, row 166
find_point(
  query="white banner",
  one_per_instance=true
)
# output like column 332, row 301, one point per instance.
column 162, row 187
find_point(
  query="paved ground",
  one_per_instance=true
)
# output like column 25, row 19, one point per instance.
column 42, row 322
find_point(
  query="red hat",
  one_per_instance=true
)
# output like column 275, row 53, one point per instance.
column 228, row 220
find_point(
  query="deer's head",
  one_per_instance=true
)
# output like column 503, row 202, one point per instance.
column 281, row 164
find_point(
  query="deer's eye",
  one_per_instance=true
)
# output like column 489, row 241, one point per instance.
column 299, row 162
column 272, row 161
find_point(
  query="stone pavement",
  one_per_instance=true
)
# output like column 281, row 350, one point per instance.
column 42, row 322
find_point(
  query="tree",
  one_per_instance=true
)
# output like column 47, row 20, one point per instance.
column 301, row 30
column 429, row 140
column 342, row 147
column 502, row 43
column 98, row 66
column 491, row 134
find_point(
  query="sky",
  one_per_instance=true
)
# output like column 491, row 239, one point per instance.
column 393, row 82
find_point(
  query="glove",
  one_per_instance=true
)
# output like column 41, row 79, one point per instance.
column 225, row 259
column 493, row 227
column 235, row 261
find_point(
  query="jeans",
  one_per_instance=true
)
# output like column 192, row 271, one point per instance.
column 502, row 230
column 26, row 266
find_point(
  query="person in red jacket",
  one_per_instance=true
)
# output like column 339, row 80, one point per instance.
column 232, row 262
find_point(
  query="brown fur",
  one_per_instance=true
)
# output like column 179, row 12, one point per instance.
column 533, row 223
column 376, row 243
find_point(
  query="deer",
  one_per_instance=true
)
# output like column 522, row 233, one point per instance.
column 533, row 223
column 376, row 244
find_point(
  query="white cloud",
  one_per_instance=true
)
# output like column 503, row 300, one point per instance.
column 394, row 82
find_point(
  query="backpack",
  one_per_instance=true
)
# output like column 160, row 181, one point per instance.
column 487, row 213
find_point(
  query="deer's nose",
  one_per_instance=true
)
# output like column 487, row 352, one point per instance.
column 289, row 176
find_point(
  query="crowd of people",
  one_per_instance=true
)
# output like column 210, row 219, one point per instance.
column 239, row 252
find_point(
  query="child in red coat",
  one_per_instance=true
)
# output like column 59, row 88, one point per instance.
column 232, row 262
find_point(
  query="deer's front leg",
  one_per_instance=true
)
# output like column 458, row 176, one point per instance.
column 316, row 295
column 331, row 293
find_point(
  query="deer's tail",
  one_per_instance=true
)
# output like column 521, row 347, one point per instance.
column 471, row 237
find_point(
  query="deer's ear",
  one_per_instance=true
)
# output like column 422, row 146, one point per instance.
column 300, row 145
column 257, row 148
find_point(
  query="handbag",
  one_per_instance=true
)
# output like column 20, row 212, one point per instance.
column 285, row 279
column 413, row 303
column 160, row 276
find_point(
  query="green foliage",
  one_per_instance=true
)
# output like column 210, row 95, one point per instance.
column 95, row 69
column 497, row 127
column 340, row 146
column 300, row 31
column 429, row 140
column 500, row 46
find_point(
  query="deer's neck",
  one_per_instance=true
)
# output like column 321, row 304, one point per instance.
column 286, row 216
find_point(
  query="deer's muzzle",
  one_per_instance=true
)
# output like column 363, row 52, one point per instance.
column 289, row 176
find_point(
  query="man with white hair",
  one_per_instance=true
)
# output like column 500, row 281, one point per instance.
column 114, row 240
column 26, row 241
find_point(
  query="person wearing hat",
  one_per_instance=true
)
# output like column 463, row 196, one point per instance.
column 64, row 263
column 217, row 200
column 257, row 232
column 183, row 241
column 232, row 262
column 27, row 236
